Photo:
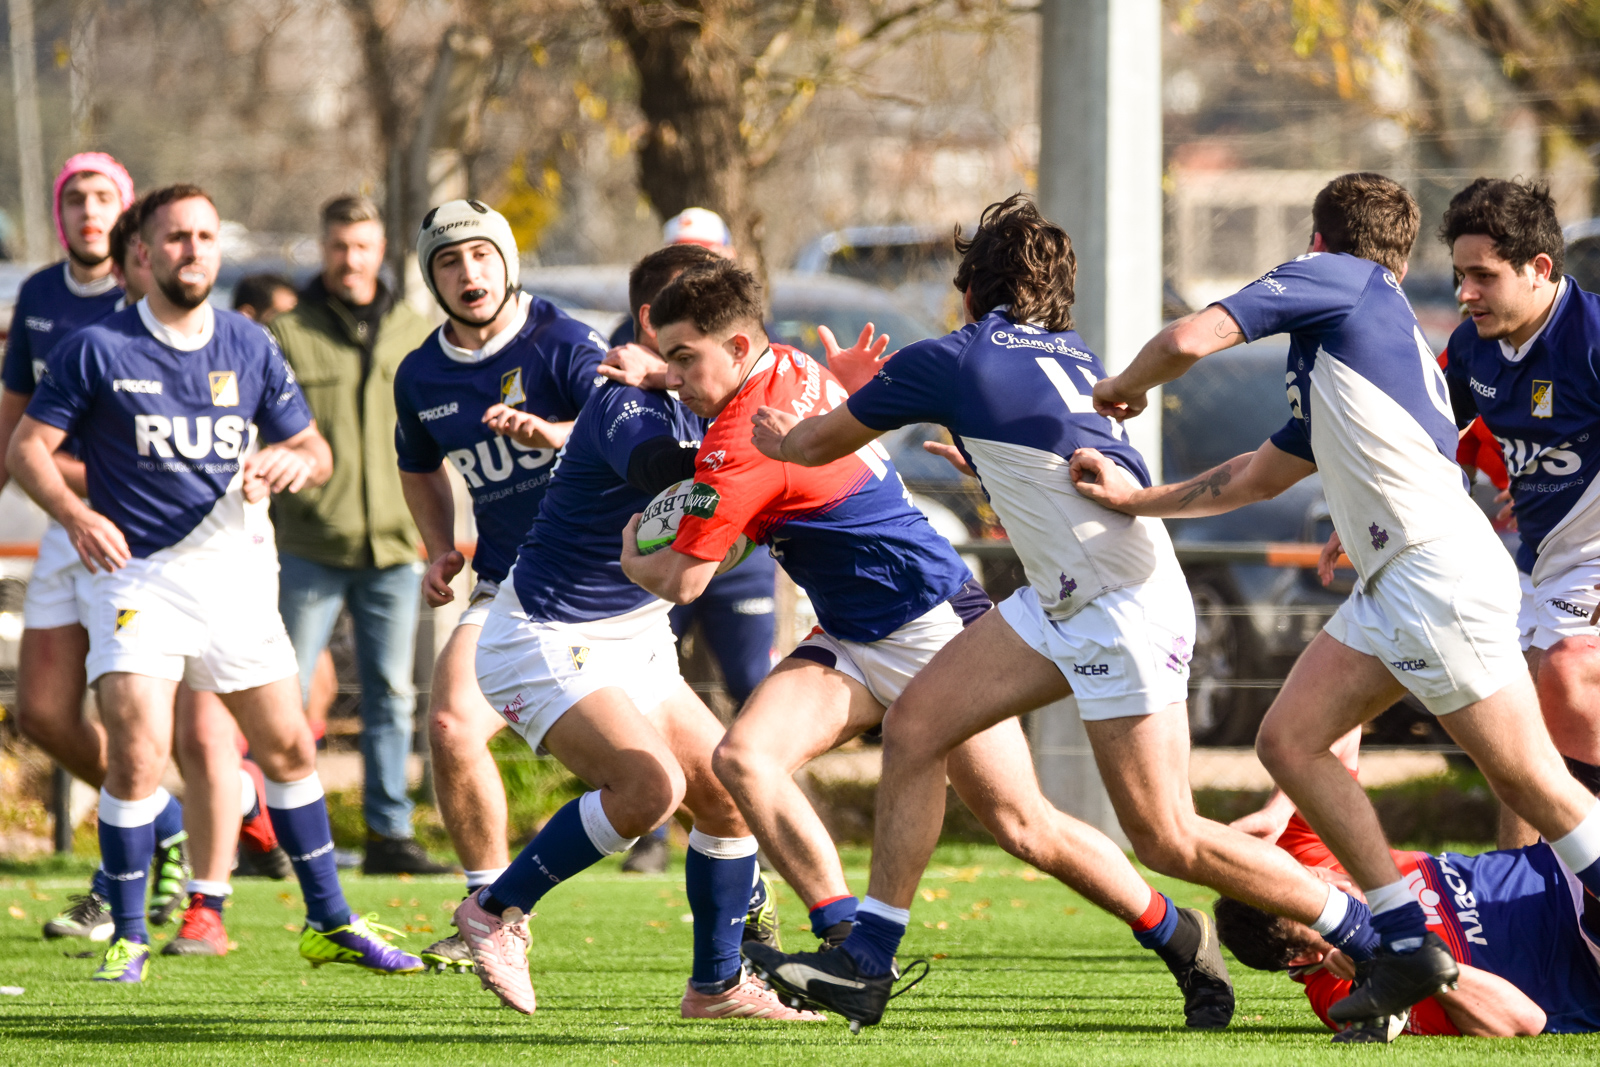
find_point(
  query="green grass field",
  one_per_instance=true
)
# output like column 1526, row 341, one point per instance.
column 1023, row 972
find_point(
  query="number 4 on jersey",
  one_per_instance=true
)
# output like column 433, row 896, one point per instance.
column 1078, row 402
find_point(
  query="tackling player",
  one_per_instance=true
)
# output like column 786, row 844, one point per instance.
column 90, row 192
column 167, row 399
column 1433, row 612
column 1523, row 363
column 494, row 392
column 1106, row 615
column 581, row 663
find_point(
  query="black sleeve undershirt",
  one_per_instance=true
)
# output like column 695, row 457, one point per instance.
column 658, row 463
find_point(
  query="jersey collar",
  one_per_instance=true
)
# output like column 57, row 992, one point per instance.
column 495, row 343
column 98, row 287
column 766, row 361
column 1514, row 355
column 172, row 338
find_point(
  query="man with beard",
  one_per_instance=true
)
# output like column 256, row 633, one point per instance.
column 168, row 399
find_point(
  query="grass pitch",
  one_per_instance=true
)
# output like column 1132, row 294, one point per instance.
column 1024, row 972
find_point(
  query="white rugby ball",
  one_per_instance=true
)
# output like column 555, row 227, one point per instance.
column 658, row 526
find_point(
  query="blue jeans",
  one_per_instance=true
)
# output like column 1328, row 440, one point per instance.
column 383, row 603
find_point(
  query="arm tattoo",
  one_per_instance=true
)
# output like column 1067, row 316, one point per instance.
column 1227, row 328
column 1213, row 481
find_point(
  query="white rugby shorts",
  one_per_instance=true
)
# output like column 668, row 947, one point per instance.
column 478, row 601
column 1560, row 606
column 1442, row 617
column 209, row 619
column 887, row 665
column 1127, row 653
column 532, row 671
column 58, row 588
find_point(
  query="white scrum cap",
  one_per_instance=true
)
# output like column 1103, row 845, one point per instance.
column 697, row 226
column 455, row 222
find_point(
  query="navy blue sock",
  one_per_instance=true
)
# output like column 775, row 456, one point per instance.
column 125, row 855
column 1156, row 926
column 873, row 941
column 100, row 884
column 169, row 824
column 559, row 851
column 1355, row 935
column 307, row 837
column 832, row 912
column 210, row 901
column 1401, row 929
column 719, row 897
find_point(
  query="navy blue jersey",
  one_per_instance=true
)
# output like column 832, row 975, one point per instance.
column 1544, row 409
column 47, row 310
column 1367, row 402
column 1017, row 399
column 570, row 567
column 547, row 369
column 162, row 431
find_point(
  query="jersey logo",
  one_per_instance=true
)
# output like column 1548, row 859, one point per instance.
column 1379, row 537
column 1067, row 586
column 579, row 654
column 224, row 389
column 511, row 393
column 703, row 501
column 39, row 325
column 125, row 617
column 1543, row 400
column 430, row 414
column 135, row 385
column 714, row 460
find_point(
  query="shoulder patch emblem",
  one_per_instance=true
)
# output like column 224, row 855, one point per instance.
column 703, row 501
column 511, row 393
column 1543, row 400
column 224, row 389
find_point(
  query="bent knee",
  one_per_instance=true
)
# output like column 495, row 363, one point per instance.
column 453, row 730
column 647, row 792
column 736, row 763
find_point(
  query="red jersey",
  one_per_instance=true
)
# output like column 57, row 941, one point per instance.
column 1478, row 447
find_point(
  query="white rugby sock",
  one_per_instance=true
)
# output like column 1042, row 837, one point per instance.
column 126, row 813
column 723, row 848
column 1389, row 897
column 601, row 833
column 1334, row 910
column 286, row 796
column 210, row 889
column 1580, row 848
column 873, row 906
column 247, row 792
column 479, row 879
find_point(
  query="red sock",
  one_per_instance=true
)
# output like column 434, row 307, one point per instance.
column 1154, row 913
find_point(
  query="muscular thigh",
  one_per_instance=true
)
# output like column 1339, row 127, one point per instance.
column 50, row 667
column 993, row 770
column 455, row 695
column 604, row 737
column 801, row 710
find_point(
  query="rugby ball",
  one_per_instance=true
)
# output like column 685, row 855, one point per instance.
column 658, row 526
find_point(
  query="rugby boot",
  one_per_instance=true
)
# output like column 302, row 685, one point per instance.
column 1201, row 974
column 201, row 934
column 762, row 922
column 828, row 980
column 273, row 863
column 395, row 855
column 87, row 915
column 169, row 871
column 1380, row 1031
column 359, row 942
column 834, row 935
column 448, row 954
column 748, row 999
column 125, row 961
column 1389, row 983
column 499, row 947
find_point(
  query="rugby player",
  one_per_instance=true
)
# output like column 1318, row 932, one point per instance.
column 1105, row 616
column 581, row 663
column 1521, row 929
column 167, row 399
column 493, row 392
column 90, row 192
column 1522, row 363
column 1434, row 610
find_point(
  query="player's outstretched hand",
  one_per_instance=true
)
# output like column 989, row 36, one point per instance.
column 635, row 365
column 771, row 426
column 100, row 544
column 436, row 583
column 529, row 431
column 855, row 366
column 1506, row 516
column 1111, row 401
column 274, row 470
column 951, row 455
column 1328, row 558
column 1099, row 478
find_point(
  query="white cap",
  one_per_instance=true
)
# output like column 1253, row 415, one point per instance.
column 697, row 226
column 455, row 222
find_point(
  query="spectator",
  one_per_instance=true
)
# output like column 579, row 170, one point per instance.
column 351, row 543
column 263, row 297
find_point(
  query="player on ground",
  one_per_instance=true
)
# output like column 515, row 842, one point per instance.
column 1522, row 362
column 581, row 663
column 167, row 399
column 494, row 392
column 1522, row 931
column 1106, row 615
column 1433, row 612
column 90, row 192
